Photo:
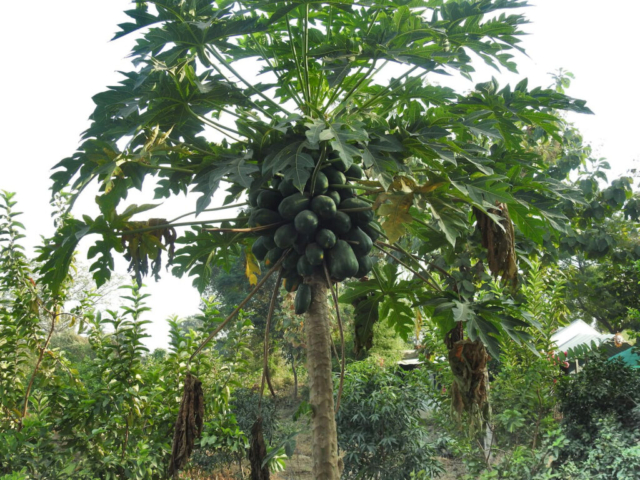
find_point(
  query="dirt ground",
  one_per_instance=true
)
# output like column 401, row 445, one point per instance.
column 300, row 465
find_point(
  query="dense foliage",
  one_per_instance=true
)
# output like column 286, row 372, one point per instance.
column 115, row 419
column 112, row 404
column 333, row 120
column 99, row 405
column 606, row 393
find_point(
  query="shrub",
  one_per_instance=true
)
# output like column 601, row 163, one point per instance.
column 614, row 452
column 603, row 389
column 523, row 401
column 379, row 424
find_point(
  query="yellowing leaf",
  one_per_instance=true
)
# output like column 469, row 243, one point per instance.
column 403, row 184
column 370, row 183
column 428, row 187
column 253, row 268
column 396, row 213
column 380, row 199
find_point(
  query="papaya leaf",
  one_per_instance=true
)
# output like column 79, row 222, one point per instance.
column 399, row 315
column 448, row 219
column 340, row 139
column 57, row 253
column 293, row 162
column 462, row 312
column 478, row 327
column 531, row 227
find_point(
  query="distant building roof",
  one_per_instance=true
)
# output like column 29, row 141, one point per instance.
column 410, row 360
column 577, row 333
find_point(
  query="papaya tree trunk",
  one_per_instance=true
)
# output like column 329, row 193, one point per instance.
column 318, row 336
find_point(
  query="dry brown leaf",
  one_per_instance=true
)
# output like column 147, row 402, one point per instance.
column 499, row 240
column 188, row 424
column 258, row 452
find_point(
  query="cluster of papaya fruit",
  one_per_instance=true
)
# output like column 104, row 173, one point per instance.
column 325, row 222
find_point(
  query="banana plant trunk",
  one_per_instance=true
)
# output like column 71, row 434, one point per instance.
column 318, row 336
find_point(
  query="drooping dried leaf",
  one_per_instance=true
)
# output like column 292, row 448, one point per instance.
column 142, row 246
column 470, row 388
column 258, row 452
column 188, row 424
column 499, row 240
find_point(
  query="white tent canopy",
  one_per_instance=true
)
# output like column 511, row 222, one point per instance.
column 577, row 333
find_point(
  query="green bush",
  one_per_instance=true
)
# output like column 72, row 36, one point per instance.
column 245, row 406
column 523, row 401
column 15, row 476
column 603, row 389
column 379, row 425
column 613, row 453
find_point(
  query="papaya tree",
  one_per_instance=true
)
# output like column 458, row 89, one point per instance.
column 330, row 125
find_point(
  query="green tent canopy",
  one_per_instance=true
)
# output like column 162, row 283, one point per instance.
column 629, row 357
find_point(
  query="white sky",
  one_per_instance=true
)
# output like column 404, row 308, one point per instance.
column 57, row 55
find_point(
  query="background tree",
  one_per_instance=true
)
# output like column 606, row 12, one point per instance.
column 604, row 291
column 230, row 288
column 600, row 253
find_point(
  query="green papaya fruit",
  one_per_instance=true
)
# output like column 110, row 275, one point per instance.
column 343, row 263
column 303, row 299
column 334, row 176
column 293, row 205
column 261, row 217
column 365, row 265
column 292, row 283
column 320, row 186
column 325, row 238
column 357, row 218
column 346, row 193
column 301, row 243
column 259, row 249
column 314, row 254
column 354, row 171
column 304, row 267
column 253, row 197
column 285, row 236
column 269, row 199
column 273, row 256
column 268, row 241
column 324, row 207
column 339, row 164
column 290, row 263
column 359, row 241
column 287, row 188
column 340, row 224
column 306, row 222
column 335, row 196
column 371, row 229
